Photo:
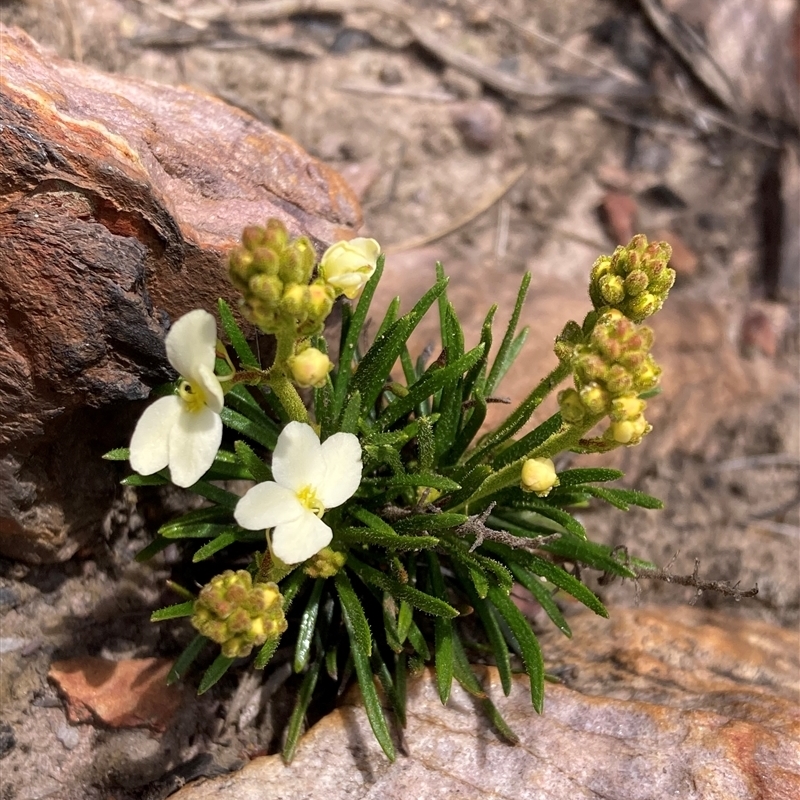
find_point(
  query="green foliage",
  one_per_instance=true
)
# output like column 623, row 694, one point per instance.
column 439, row 530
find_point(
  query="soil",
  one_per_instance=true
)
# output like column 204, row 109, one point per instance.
column 429, row 147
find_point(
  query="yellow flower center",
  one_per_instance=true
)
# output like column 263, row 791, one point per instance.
column 192, row 396
column 308, row 497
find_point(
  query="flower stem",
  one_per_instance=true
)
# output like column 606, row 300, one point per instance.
column 281, row 385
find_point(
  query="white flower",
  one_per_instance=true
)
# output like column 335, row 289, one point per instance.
column 184, row 431
column 347, row 266
column 309, row 478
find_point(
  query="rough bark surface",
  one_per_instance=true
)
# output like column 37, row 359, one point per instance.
column 118, row 201
column 657, row 703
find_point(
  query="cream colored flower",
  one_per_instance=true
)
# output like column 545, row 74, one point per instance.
column 310, row 368
column 309, row 478
column 347, row 266
column 539, row 476
column 184, row 431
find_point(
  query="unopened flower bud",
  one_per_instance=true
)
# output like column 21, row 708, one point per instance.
column 276, row 235
column 612, row 289
column 571, row 407
column 629, row 432
column 347, row 266
column 320, row 301
column 539, row 476
column 265, row 289
column 643, row 306
column 266, row 260
column 310, row 368
column 325, row 564
column 253, row 236
column 635, row 283
column 626, row 407
column 238, row 615
column 595, row 398
column 294, row 300
column 618, row 379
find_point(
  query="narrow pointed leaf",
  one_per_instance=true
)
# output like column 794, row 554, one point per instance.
column 173, row 612
column 186, row 658
column 295, row 726
column 443, row 634
column 542, row 594
column 501, row 362
column 254, row 430
column 528, row 643
column 237, row 338
column 308, row 622
column 259, row 471
column 218, row 668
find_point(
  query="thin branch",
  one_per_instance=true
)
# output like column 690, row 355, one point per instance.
column 476, row 526
column 725, row 588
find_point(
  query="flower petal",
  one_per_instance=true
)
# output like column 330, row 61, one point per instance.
column 293, row 542
column 150, row 441
column 193, row 444
column 267, row 505
column 212, row 390
column 191, row 342
column 341, row 454
column 296, row 461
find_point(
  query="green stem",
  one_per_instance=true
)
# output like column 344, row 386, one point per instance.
column 522, row 414
column 565, row 439
column 281, row 385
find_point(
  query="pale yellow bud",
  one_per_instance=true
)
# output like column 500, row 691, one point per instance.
column 538, row 475
column 347, row 266
column 310, row 368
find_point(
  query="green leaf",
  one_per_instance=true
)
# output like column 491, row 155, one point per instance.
column 401, row 591
column 240, row 398
column 543, row 596
column 393, row 541
column 156, row 546
column 426, row 386
column 361, row 649
column 443, row 634
column 470, row 479
column 623, row 498
column 590, row 554
column 427, row 479
column 256, row 431
column 118, row 454
column 200, row 515
column 258, row 470
column 576, row 477
column 173, row 612
column 144, row 480
column 350, row 333
column 389, row 317
column 216, row 495
column 528, row 643
column 529, row 441
column 493, row 633
column 476, row 378
column 380, row 668
column 200, row 530
column 466, row 677
column 522, row 413
column 266, row 652
column 214, row 546
column 237, row 338
column 377, row 363
column 504, row 355
column 469, row 431
column 352, row 414
column 418, row 641
column 527, row 514
column 308, row 622
column 429, row 522
column 295, row 726
column 186, row 658
column 218, row 668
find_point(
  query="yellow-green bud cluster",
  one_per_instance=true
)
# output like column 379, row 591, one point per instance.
column 238, row 615
column 636, row 279
column 325, row 564
column 273, row 272
column 611, row 370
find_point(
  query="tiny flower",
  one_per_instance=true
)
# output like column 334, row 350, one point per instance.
column 539, row 476
column 184, row 431
column 310, row 368
column 309, row 478
column 347, row 266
